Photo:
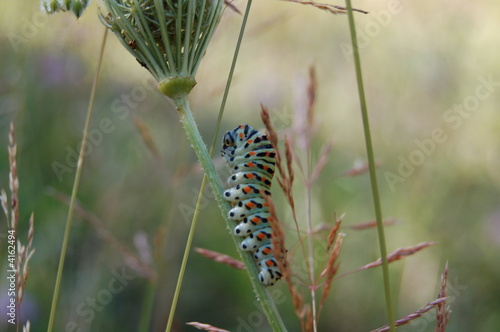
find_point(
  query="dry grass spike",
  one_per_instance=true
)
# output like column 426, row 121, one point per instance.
column 442, row 310
column 407, row 319
column 23, row 252
column 392, row 257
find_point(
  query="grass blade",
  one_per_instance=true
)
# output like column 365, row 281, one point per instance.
column 55, row 295
column 372, row 166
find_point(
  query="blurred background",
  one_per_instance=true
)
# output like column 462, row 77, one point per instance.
column 432, row 79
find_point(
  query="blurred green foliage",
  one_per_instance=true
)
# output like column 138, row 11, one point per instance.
column 421, row 62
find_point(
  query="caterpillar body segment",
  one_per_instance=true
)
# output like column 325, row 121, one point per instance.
column 252, row 223
column 244, row 191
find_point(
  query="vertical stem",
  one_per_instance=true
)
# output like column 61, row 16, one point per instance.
column 233, row 65
column 185, row 257
column 371, row 163
column 310, row 243
column 75, row 186
column 200, row 149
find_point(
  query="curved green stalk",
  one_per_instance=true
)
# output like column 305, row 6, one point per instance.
column 75, row 186
column 371, row 163
column 200, row 149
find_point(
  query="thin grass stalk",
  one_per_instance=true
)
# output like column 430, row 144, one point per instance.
column 304, row 130
column 191, row 129
column 231, row 71
column 151, row 291
column 185, row 257
column 147, row 307
column 310, row 240
column 76, row 185
column 372, row 166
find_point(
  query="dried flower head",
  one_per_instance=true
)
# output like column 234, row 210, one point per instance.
column 167, row 37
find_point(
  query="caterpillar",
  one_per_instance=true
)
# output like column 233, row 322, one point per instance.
column 252, row 160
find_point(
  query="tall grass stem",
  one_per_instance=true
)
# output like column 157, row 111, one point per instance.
column 76, row 184
column 185, row 257
column 310, row 239
column 371, row 163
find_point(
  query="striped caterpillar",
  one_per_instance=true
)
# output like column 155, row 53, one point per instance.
column 252, row 159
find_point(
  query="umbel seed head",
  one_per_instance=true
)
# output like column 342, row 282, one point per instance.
column 167, row 37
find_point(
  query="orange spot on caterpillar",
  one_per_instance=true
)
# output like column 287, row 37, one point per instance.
column 250, row 205
column 270, row 262
column 261, row 236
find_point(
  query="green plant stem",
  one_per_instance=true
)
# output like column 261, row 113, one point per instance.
column 158, row 258
column 147, row 308
column 200, row 149
column 76, row 186
column 371, row 163
column 185, row 257
column 204, row 181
